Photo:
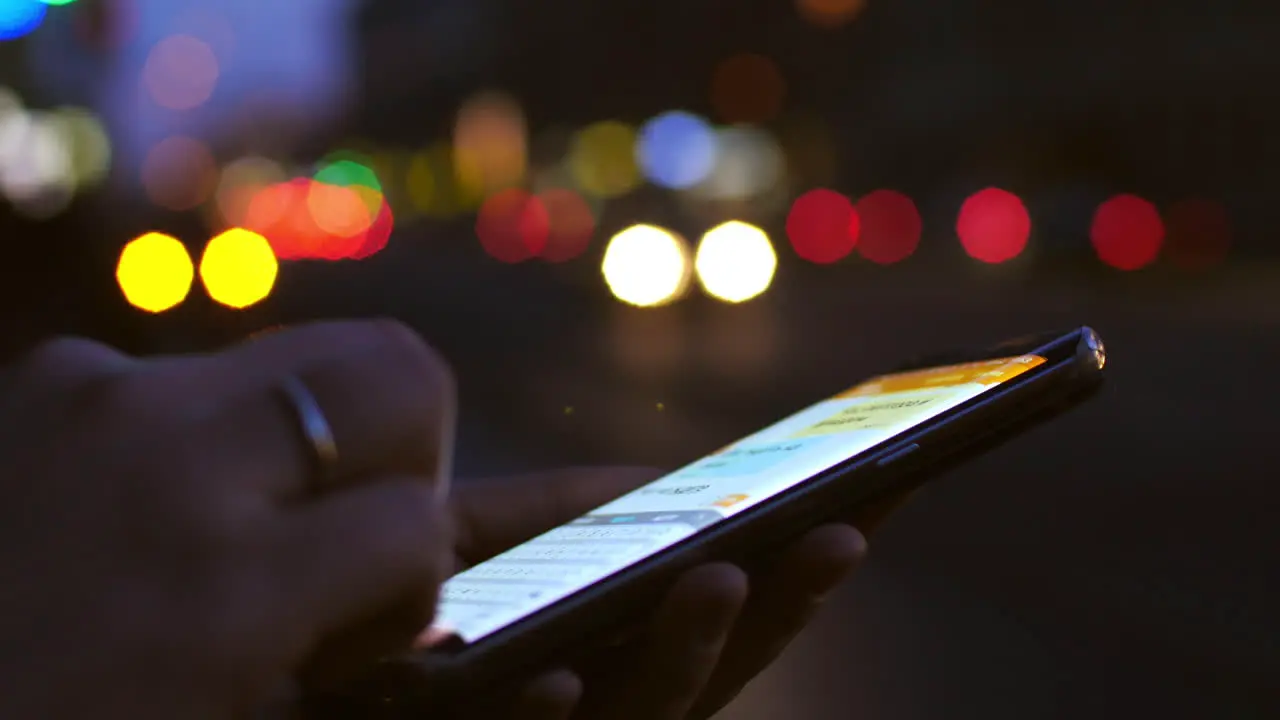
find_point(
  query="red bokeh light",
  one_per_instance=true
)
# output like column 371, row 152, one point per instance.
column 823, row 226
column 993, row 226
column 284, row 214
column 378, row 234
column 891, row 227
column 513, row 226
column 570, row 224
column 1199, row 233
column 1127, row 232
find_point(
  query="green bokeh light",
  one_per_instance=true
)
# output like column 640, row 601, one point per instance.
column 346, row 170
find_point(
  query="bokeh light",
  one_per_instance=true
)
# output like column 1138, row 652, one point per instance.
column 181, row 72
column 1127, row 232
column 238, row 268
column 1199, row 233
column 749, row 164
column 342, row 211
column 281, row 213
column 890, row 226
column 994, row 226
column 87, row 143
column 20, row 17
column 747, row 88
column 822, row 226
column 735, row 262
column 155, row 272
column 240, row 181
column 179, row 173
column 490, row 142
column 570, row 224
column 513, row 226
column 830, row 13
column 677, row 150
column 36, row 171
column 646, row 266
column 432, row 186
column 347, row 169
column 378, row 235
column 602, row 159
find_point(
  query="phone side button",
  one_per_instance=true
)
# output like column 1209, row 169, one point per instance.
column 897, row 455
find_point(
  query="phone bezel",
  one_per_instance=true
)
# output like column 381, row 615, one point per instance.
column 596, row 615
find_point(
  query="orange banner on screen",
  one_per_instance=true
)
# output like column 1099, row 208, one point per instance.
column 985, row 372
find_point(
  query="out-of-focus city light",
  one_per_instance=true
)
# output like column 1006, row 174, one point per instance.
column 87, row 143
column 281, row 214
column 571, row 223
column 513, row 226
column 1198, row 233
column 36, row 171
column 378, row 234
column 646, row 266
column 890, row 226
column 830, row 13
column 240, row 181
column 20, row 17
column 432, row 186
column 289, row 216
column 747, row 88
column 602, row 159
column 155, row 272
column 490, row 142
column 993, row 226
column 822, row 226
column 749, row 164
column 238, row 268
column 735, row 262
column 179, row 173
column 676, row 150
column 1127, row 232
column 342, row 211
column 347, row 169
column 181, row 72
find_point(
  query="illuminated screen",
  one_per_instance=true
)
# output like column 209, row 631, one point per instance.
column 525, row 579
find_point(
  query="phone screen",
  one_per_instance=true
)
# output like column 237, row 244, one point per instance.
column 501, row 591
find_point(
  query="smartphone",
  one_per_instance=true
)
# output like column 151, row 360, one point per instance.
column 581, row 586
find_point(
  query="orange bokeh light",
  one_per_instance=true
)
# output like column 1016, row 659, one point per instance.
column 830, row 13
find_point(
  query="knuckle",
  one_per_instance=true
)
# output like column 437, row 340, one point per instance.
column 416, row 357
column 64, row 361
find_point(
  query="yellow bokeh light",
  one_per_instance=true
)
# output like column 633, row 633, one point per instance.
column 155, row 272
column 646, row 266
column 602, row 159
column 735, row 262
column 238, row 268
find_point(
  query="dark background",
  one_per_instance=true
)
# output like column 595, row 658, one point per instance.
column 1120, row 562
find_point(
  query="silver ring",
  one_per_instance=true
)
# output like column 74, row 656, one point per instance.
column 315, row 426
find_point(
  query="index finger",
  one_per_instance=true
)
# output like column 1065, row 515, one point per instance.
column 493, row 515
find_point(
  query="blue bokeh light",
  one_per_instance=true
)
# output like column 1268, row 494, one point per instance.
column 677, row 150
column 20, row 17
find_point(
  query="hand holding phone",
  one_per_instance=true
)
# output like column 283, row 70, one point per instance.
column 569, row 594
column 710, row 636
